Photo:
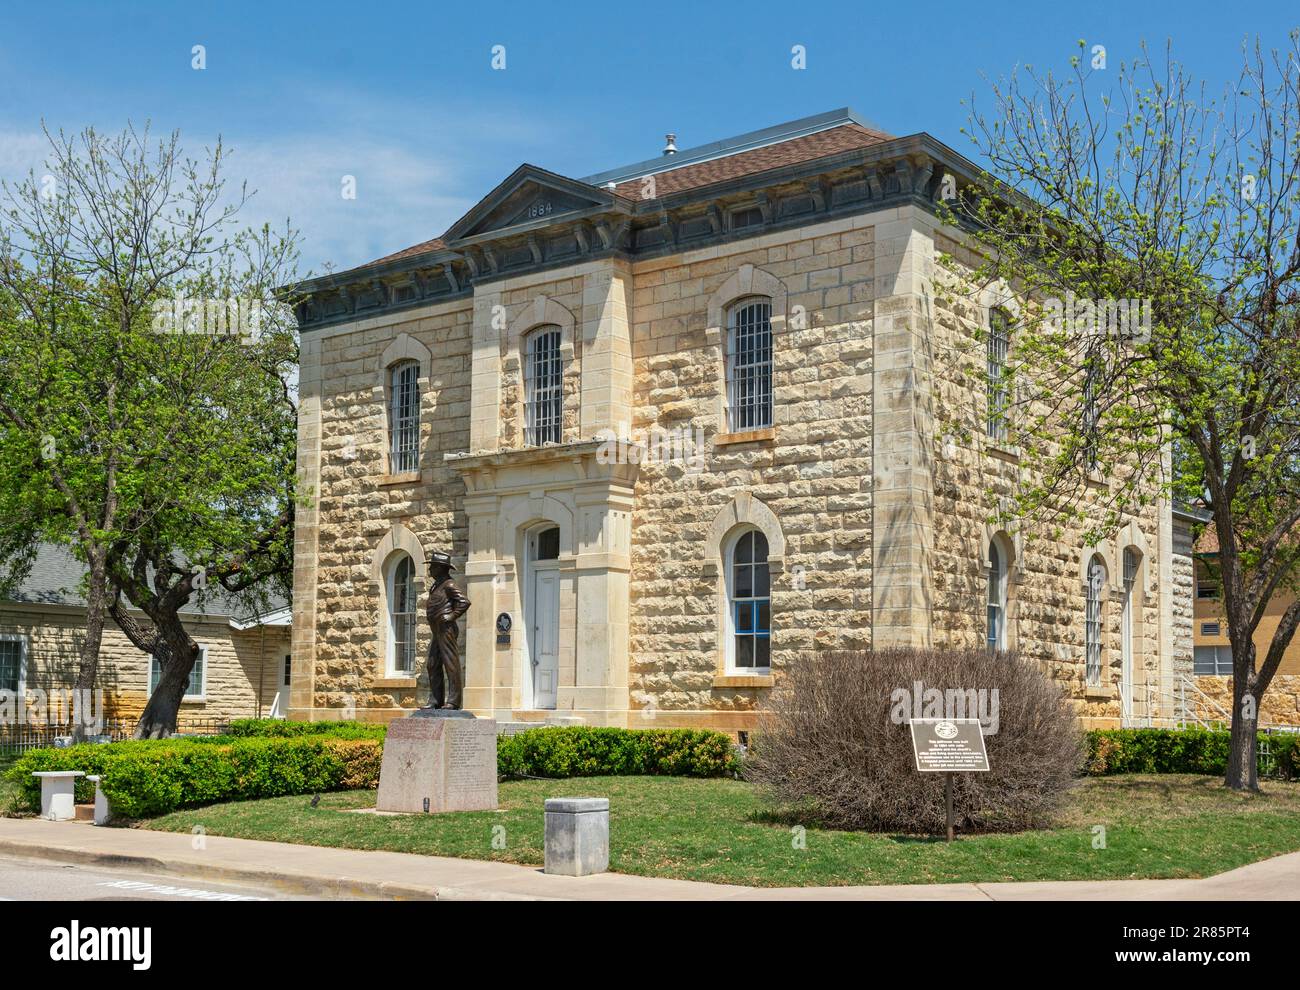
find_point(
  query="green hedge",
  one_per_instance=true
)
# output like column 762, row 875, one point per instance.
column 146, row 778
column 1204, row 751
column 582, row 751
column 284, row 728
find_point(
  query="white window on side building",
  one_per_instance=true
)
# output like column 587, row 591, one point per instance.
column 197, row 688
column 13, row 663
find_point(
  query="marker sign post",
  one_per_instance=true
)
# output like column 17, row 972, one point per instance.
column 948, row 746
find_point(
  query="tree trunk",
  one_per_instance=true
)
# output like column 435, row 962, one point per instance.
column 176, row 655
column 96, row 617
column 1243, row 769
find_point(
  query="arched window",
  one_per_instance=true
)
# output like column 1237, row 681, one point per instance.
column 751, row 603
column 1127, row 624
column 1089, row 416
column 401, row 615
column 1092, row 619
column 997, row 599
column 543, row 387
column 749, row 364
column 999, row 344
column 404, row 417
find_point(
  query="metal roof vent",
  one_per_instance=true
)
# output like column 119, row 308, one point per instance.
column 671, row 147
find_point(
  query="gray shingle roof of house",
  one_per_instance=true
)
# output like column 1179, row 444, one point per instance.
column 55, row 579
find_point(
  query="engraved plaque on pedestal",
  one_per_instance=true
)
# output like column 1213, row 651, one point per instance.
column 450, row 763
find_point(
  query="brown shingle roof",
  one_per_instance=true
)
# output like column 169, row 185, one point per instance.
column 832, row 141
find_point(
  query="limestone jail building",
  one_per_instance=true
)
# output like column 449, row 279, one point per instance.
column 680, row 424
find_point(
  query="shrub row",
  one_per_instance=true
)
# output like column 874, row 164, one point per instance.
column 592, row 751
column 1204, row 751
column 283, row 728
column 146, row 778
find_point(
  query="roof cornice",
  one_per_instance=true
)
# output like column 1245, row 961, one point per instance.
column 889, row 173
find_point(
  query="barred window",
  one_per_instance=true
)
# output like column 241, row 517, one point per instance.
column 751, row 603
column 1092, row 619
column 404, row 418
column 401, row 613
column 999, row 343
column 1089, row 415
column 749, row 365
column 544, row 381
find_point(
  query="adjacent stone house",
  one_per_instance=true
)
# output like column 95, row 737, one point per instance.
column 680, row 424
column 1213, row 650
column 243, row 672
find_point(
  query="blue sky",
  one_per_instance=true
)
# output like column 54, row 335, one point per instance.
column 403, row 95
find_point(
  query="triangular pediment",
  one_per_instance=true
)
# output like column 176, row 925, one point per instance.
column 531, row 197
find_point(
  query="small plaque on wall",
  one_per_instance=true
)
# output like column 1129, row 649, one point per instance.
column 504, row 623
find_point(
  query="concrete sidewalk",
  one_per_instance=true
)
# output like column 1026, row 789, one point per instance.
column 323, row 872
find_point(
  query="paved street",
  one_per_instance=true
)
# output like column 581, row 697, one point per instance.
column 255, row 867
column 43, row 880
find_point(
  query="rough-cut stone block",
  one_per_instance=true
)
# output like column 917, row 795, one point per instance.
column 439, row 764
column 577, row 836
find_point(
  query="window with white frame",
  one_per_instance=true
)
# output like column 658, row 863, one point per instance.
column 197, row 688
column 749, row 365
column 997, row 599
column 404, row 417
column 751, row 603
column 999, row 343
column 1212, row 661
column 13, row 662
column 1092, row 626
column 401, row 614
column 544, row 388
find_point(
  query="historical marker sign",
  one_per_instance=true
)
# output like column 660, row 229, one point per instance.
column 948, row 745
column 504, row 623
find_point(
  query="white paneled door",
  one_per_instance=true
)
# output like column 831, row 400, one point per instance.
column 546, row 636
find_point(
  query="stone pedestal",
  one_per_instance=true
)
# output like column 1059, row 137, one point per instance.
column 438, row 761
column 58, row 803
column 577, row 836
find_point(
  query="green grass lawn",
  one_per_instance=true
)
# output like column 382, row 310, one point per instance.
column 1155, row 826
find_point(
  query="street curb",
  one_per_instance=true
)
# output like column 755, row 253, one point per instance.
column 296, row 883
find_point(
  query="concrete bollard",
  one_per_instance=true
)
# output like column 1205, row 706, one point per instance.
column 58, row 799
column 577, row 836
column 101, row 802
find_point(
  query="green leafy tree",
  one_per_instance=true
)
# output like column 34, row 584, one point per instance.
column 1152, row 231
column 139, row 329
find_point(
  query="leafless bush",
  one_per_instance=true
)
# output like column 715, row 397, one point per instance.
column 834, row 749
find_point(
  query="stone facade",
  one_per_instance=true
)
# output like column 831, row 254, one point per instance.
column 874, row 514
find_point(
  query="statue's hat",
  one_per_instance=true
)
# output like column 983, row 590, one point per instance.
column 438, row 557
